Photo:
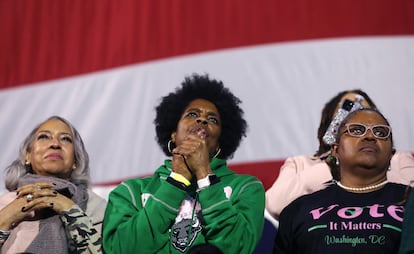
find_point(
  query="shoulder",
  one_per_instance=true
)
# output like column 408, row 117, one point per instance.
column 319, row 196
column 304, row 158
column 398, row 187
column 6, row 198
column 96, row 206
column 298, row 208
column 243, row 184
column 132, row 183
column 95, row 201
column 401, row 156
column 399, row 153
column 129, row 190
column 309, row 171
column 244, row 179
column 303, row 162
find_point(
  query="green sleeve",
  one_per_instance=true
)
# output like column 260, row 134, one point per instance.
column 129, row 227
column 234, row 225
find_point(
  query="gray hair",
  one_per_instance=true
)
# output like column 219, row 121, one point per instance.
column 18, row 168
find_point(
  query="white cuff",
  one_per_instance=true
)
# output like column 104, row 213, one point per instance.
column 204, row 182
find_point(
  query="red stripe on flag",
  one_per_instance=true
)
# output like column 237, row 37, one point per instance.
column 51, row 39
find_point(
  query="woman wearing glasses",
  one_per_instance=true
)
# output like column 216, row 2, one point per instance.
column 360, row 212
column 303, row 174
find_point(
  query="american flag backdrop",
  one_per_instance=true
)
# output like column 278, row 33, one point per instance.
column 105, row 64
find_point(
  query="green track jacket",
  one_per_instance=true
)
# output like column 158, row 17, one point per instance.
column 151, row 215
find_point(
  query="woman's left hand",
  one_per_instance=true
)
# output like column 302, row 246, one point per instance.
column 43, row 195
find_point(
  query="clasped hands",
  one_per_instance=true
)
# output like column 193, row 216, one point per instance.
column 31, row 198
column 191, row 157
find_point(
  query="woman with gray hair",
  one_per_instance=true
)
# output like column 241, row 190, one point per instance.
column 50, row 208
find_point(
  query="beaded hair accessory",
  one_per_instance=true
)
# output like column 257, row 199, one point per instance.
column 347, row 107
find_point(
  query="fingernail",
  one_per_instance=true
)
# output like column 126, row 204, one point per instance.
column 23, row 209
column 55, row 193
column 17, row 193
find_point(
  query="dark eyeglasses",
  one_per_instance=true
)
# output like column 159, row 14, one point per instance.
column 359, row 130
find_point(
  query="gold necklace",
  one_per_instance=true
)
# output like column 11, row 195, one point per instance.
column 361, row 189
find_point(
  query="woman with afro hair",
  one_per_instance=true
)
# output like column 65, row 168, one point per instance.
column 193, row 198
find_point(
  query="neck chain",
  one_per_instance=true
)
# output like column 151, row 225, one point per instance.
column 361, row 189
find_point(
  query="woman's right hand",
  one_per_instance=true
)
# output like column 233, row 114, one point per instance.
column 179, row 166
column 28, row 199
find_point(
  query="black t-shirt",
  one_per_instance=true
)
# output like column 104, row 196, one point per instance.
column 334, row 220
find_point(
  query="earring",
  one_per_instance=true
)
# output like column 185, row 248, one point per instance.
column 169, row 146
column 28, row 166
column 217, row 152
column 337, row 162
column 74, row 166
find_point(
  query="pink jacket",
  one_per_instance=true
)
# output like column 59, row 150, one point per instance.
column 301, row 175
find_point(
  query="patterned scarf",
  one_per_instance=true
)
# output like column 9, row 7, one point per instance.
column 52, row 237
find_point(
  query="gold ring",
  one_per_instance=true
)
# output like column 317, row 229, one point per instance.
column 29, row 197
